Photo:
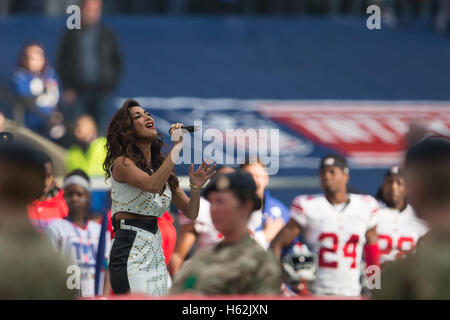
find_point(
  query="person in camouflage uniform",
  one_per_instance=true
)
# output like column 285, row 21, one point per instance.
column 425, row 274
column 29, row 267
column 236, row 265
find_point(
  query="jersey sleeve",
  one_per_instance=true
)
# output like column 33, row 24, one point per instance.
column 422, row 228
column 297, row 211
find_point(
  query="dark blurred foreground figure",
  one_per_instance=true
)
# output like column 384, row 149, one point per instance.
column 29, row 268
column 237, row 264
column 425, row 275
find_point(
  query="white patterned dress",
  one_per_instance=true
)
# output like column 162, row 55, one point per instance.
column 136, row 262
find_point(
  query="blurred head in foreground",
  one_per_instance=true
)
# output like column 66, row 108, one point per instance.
column 233, row 198
column 427, row 165
column 29, row 267
column 22, row 174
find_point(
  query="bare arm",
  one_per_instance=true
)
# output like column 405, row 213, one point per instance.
column 371, row 236
column 184, row 243
column 189, row 206
column 272, row 227
column 285, row 237
column 126, row 171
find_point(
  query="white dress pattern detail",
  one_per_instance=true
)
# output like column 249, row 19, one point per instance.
column 146, row 268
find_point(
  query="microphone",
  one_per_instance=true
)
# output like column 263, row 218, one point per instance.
column 189, row 129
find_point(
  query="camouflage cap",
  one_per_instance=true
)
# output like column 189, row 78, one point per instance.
column 240, row 182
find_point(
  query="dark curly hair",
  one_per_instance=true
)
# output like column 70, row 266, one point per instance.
column 121, row 141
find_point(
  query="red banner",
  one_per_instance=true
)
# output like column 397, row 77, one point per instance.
column 369, row 133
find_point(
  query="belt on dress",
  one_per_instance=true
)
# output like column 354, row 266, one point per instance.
column 150, row 225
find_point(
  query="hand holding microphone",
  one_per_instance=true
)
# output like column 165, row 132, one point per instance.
column 176, row 132
column 189, row 129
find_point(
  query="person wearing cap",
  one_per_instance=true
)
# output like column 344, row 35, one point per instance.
column 237, row 264
column 77, row 237
column 399, row 229
column 337, row 226
column 195, row 235
column 29, row 267
column 425, row 274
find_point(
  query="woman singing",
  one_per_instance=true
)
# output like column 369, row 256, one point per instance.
column 143, row 183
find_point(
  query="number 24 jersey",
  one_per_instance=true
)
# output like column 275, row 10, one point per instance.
column 337, row 236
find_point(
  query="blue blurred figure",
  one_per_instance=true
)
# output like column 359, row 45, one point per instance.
column 36, row 82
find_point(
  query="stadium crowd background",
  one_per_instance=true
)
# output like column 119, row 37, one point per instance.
column 75, row 139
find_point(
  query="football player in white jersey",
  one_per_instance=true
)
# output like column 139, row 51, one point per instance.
column 398, row 227
column 337, row 226
column 75, row 236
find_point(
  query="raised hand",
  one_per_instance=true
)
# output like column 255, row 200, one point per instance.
column 202, row 174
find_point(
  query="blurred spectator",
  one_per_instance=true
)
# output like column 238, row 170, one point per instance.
column 35, row 81
column 89, row 64
column 89, row 151
column 51, row 204
column 273, row 214
column 424, row 275
column 28, row 265
column 77, row 237
column 236, row 265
